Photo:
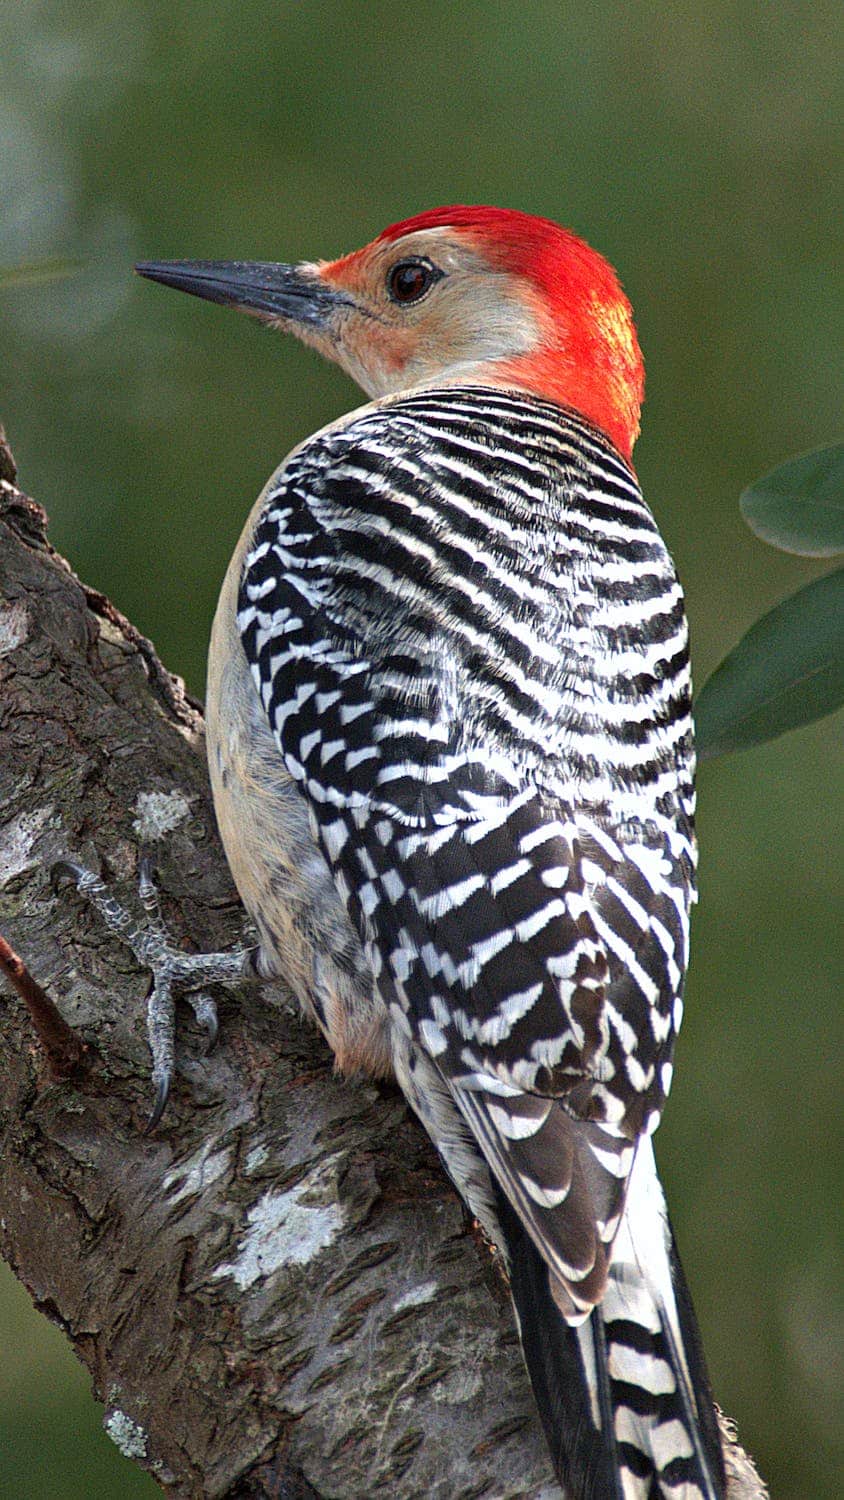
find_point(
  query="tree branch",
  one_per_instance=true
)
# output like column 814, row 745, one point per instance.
column 279, row 1293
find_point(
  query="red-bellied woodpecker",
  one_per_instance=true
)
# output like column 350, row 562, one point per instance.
column 450, row 744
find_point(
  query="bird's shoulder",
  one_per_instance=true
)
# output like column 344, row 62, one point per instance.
column 511, row 447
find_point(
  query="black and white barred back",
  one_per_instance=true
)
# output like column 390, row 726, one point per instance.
column 470, row 644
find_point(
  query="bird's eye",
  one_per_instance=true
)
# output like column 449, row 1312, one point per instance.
column 409, row 280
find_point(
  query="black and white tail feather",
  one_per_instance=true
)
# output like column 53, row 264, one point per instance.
column 470, row 644
column 624, row 1397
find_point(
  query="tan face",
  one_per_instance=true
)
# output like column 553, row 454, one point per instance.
column 423, row 308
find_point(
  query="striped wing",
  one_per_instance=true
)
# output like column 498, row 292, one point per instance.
column 428, row 625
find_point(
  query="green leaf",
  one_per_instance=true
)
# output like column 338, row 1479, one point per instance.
column 787, row 671
column 799, row 507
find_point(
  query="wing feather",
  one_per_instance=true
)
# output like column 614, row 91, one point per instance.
column 500, row 931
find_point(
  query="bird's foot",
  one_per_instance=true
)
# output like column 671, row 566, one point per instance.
column 173, row 970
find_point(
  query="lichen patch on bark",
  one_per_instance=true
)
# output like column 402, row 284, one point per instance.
column 18, row 839
column 196, row 1173
column 283, row 1229
column 14, row 626
column 158, row 813
column 128, row 1436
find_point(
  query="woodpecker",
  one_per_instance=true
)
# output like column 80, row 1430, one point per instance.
column 451, row 751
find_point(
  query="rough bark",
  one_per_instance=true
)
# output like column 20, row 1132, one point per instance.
column 277, row 1294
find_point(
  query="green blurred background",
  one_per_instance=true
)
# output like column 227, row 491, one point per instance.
column 695, row 145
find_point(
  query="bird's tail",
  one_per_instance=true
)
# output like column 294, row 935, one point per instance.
column 624, row 1397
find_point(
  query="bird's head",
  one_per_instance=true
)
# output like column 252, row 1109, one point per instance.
column 454, row 296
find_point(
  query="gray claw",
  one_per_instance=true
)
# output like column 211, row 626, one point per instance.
column 69, row 867
column 162, row 1094
column 205, row 1011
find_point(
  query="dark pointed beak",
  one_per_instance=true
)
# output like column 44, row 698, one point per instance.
column 262, row 288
